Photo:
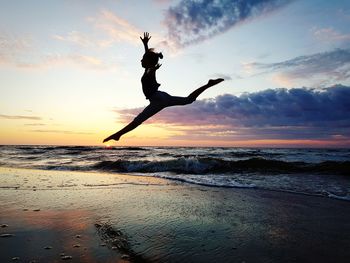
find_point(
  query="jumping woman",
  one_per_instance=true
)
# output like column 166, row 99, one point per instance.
column 158, row 99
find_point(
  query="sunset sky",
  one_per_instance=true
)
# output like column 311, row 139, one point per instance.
column 70, row 71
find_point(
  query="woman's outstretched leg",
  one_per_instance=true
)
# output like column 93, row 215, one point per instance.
column 148, row 112
column 193, row 96
column 179, row 101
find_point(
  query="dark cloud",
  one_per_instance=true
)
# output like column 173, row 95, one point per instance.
column 334, row 65
column 19, row 117
column 298, row 113
column 191, row 21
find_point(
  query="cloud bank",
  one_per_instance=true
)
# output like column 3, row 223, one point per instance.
column 192, row 21
column 327, row 67
column 298, row 113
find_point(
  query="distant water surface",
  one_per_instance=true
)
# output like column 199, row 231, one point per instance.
column 322, row 172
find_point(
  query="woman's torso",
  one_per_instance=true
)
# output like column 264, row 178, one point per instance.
column 149, row 83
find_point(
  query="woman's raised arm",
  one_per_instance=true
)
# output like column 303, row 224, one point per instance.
column 145, row 39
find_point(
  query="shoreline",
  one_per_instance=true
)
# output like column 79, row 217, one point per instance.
column 177, row 181
column 164, row 221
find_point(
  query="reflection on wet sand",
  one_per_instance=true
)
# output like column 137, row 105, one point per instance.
column 163, row 222
column 50, row 236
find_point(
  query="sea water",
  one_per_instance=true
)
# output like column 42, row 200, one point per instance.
column 321, row 172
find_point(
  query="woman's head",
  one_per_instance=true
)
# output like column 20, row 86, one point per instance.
column 150, row 59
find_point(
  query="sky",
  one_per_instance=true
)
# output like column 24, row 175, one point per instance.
column 70, row 72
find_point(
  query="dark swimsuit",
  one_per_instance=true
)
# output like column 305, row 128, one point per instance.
column 149, row 83
column 158, row 99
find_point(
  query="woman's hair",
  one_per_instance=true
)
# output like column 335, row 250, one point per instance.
column 153, row 57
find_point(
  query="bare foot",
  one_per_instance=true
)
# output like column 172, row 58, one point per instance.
column 114, row 136
column 213, row 82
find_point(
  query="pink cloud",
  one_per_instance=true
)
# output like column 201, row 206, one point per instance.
column 19, row 117
column 329, row 34
column 116, row 28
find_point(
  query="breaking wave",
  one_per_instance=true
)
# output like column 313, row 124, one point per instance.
column 214, row 165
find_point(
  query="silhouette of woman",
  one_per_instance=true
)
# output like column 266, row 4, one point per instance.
column 158, row 99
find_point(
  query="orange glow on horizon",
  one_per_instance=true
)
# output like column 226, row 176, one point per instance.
column 238, row 143
column 150, row 135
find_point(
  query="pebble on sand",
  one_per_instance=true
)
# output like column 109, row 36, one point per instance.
column 66, row 257
column 36, row 210
column 15, row 258
column 48, row 247
column 4, row 225
column 125, row 256
column 78, row 236
column 76, row 245
column 6, row 235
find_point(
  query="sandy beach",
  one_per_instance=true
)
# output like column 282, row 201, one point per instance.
column 52, row 216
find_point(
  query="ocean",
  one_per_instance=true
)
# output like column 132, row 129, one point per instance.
column 319, row 172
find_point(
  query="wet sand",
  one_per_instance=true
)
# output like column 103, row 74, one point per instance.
column 53, row 216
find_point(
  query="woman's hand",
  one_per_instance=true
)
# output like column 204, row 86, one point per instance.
column 146, row 38
column 157, row 66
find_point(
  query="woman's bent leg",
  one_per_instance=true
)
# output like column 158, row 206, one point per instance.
column 148, row 112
